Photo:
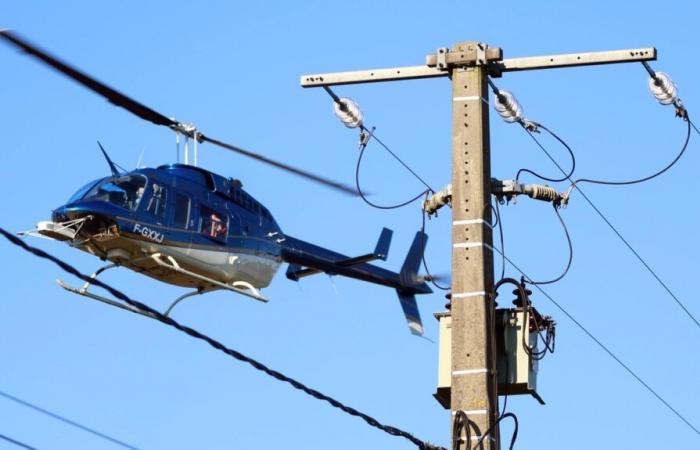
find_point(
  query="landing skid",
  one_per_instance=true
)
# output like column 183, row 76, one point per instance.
column 168, row 262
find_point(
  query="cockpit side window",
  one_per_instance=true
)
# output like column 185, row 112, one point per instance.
column 214, row 223
column 157, row 202
column 125, row 191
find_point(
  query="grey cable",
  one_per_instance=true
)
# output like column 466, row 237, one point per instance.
column 16, row 442
column 571, row 253
column 65, row 420
column 628, row 245
column 605, row 348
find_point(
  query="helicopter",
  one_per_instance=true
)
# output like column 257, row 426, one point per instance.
column 186, row 226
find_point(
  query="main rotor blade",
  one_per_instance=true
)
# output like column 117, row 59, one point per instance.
column 110, row 94
column 302, row 173
column 144, row 112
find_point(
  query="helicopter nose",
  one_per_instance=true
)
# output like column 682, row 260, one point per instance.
column 79, row 210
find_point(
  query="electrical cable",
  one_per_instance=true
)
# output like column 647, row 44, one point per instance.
column 632, row 249
column 605, row 348
column 509, row 108
column 16, row 442
column 369, row 135
column 571, row 253
column 480, row 442
column 156, row 315
column 66, row 420
column 555, row 136
column 366, row 200
column 430, row 277
column 643, row 179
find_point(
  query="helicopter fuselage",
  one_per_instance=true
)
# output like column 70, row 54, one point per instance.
column 208, row 223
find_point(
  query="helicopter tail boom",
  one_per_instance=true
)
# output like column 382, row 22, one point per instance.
column 306, row 259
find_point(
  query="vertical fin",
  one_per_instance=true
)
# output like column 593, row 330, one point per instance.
column 381, row 251
column 409, row 278
column 410, row 310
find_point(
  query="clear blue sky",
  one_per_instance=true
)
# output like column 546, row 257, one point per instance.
column 233, row 68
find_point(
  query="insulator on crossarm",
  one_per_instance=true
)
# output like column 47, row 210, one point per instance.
column 663, row 88
column 508, row 107
column 348, row 112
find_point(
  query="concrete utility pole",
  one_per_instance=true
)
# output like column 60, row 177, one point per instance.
column 474, row 388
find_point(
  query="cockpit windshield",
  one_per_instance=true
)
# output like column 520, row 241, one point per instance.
column 125, row 191
column 83, row 190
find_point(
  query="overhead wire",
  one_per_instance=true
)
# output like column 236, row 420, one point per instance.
column 66, row 420
column 555, row 136
column 369, row 202
column 605, row 348
column 156, row 315
column 365, row 137
column 16, row 442
column 628, row 245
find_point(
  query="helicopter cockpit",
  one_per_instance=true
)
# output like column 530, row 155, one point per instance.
column 124, row 191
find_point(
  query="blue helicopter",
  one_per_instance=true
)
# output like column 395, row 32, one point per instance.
column 187, row 226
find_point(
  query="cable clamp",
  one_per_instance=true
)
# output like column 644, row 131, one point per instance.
column 529, row 126
column 508, row 190
column 365, row 137
column 432, row 204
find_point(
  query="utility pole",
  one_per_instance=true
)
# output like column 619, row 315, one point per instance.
column 474, row 386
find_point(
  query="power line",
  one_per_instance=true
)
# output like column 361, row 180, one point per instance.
column 526, row 126
column 604, row 347
column 627, row 244
column 66, row 420
column 156, row 315
column 16, row 442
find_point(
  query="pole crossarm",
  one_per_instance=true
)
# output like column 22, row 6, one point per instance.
column 439, row 65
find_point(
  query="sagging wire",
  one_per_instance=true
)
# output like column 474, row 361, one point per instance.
column 666, row 93
column 510, row 111
column 530, row 132
column 574, row 184
column 685, row 116
column 158, row 316
column 571, row 252
column 363, row 146
column 349, row 113
column 429, row 277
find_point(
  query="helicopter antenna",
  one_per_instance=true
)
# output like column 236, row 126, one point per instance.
column 177, row 147
column 112, row 167
column 153, row 116
column 138, row 163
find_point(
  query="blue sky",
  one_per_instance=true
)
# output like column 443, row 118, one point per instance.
column 233, row 68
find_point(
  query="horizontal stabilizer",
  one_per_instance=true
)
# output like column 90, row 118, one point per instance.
column 296, row 272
